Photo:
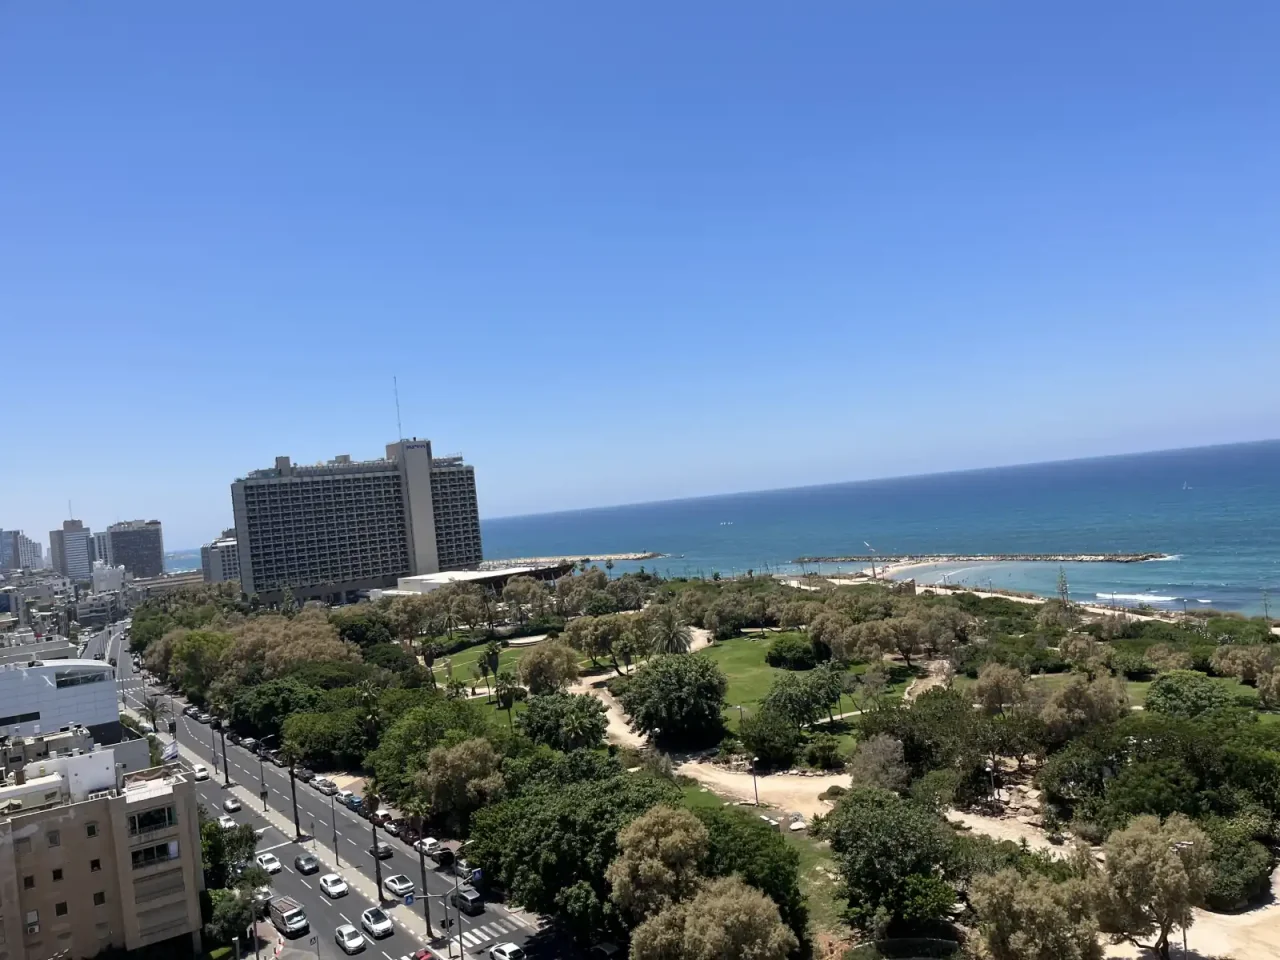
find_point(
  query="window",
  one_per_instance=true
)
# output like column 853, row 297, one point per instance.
column 22, row 845
column 60, row 909
column 157, row 854
column 91, row 830
column 57, row 875
column 99, row 898
column 149, row 820
column 95, row 866
column 54, row 837
column 33, row 921
column 28, row 883
column 19, row 718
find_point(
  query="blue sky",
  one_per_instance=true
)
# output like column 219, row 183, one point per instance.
column 625, row 254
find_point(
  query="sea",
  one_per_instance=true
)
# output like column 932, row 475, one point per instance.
column 1214, row 511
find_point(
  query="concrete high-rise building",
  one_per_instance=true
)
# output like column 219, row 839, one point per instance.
column 92, row 858
column 102, row 548
column 138, row 546
column 19, row 552
column 220, row 560
column 330, row 530
column 71, row 550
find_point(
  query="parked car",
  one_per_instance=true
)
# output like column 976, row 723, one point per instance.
column 204, row 717
column 343, row 797
column 231, row 804
column 506, row 951
column 381, row 850
column 249, row 743
column 306, row 864
column 325, row 786
column 468, row 900
column 227, row 823
column 191, row 711
column 428, row 845
column 234, row 738
column 305, row 774
column 269, row 862
column 398, row 886
column 393, row 827
column 333, row 886
column 349, row 939
column 355, row 804
column 376, row 923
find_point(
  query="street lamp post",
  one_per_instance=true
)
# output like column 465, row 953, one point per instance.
column 226, row 767
column 262, row 772
column 422, row 866
column 754, row 788
column 333, row 819
column 293, row 790
column 213, row 746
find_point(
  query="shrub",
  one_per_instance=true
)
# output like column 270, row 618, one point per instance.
column 823, row 752
column 771, row 737
column 791, row 652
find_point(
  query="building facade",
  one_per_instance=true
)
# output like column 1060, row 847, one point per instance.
column 138, row 546
column 19, row 552
column 220, row 560
column 102, row 548
column 38, row 696
column 331, row 530
column 92, row 858
column 72, row 550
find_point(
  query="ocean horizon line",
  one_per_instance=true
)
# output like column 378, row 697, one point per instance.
column 894, row 478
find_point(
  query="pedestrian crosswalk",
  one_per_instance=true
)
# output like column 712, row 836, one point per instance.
column 476, row 934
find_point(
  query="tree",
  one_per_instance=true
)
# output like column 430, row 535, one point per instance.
column 667, row 633
column 890, row 854
column 365, row 624
column 153, row 710
column 1000, row 686
column 676, row 698
column 739, row 844
column 257, row 710
column 1029, row 917
column 231, row 915
column 1186, row 694
column 1241, row 865
column 877, row 762
column 1269, row 689
column 791, row 696
column 770, row 737
column 505, row 688
column 1080, row 705
column 405, row 746
column 727, row 920
column 550, row 845
column 565, row 721
column 1155, row 875
column 461, row 779
column 548, row 667
column 659, row 855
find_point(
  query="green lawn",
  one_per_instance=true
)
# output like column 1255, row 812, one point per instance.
column 465, row 660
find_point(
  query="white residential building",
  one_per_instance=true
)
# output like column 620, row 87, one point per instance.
column 107, row 578
column 220, row 560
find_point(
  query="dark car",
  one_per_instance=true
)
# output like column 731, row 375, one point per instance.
column 305, row 863
column 354, row 803
column 468, row 900
column 305, row 774
column 234, row 738
column 381, row 850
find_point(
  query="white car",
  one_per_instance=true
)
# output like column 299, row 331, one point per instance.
column 333, row 886
column 269, row 862
column 349, row 939
column 226, row 822
column 376, row 923
column 506, row 951
column 231, row 805
column 398, row 887
column 146, row 727
column 428, row 845
column 199, row 771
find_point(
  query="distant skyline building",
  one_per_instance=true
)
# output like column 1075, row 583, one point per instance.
column 138, row 546
column 19, row 552
column 102, row 548
column 330, row 530
column 220, row 560
column 71, row 550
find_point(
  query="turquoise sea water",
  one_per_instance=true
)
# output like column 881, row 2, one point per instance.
column 180, row 561
column 1215, row 510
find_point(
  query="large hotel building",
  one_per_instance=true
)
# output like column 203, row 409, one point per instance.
column 330, row 530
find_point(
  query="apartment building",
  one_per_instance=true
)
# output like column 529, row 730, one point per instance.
column 102, row 548
column 72, row 550
column 92, row 857
column 331, row 530
column 138, row 546
column 19, row 552
column 220, row 560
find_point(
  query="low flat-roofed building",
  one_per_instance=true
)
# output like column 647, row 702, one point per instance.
column 38, row 696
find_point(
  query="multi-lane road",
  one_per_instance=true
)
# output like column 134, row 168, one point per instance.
column 339, row 838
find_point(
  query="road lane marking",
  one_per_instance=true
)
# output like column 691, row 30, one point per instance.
column 305, row 884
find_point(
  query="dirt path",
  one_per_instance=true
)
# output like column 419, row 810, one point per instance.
column 938, row 675
column 789, row 793
column 1004, row 828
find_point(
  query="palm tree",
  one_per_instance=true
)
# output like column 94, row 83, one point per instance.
column 418, row 806
column 153, row 709
column 667, row 632
column 370, row 714
column 482, row 673
column 431, row 650
column 372, row 802
column 608, row 568
column 505, row 686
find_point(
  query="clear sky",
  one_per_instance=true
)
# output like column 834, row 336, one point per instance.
column 621, row 252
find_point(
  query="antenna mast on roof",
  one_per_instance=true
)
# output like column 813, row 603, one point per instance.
column 395, row 386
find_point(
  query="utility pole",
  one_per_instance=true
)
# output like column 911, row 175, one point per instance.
column 293, row 789
column 426, row 897
column 226, row 767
